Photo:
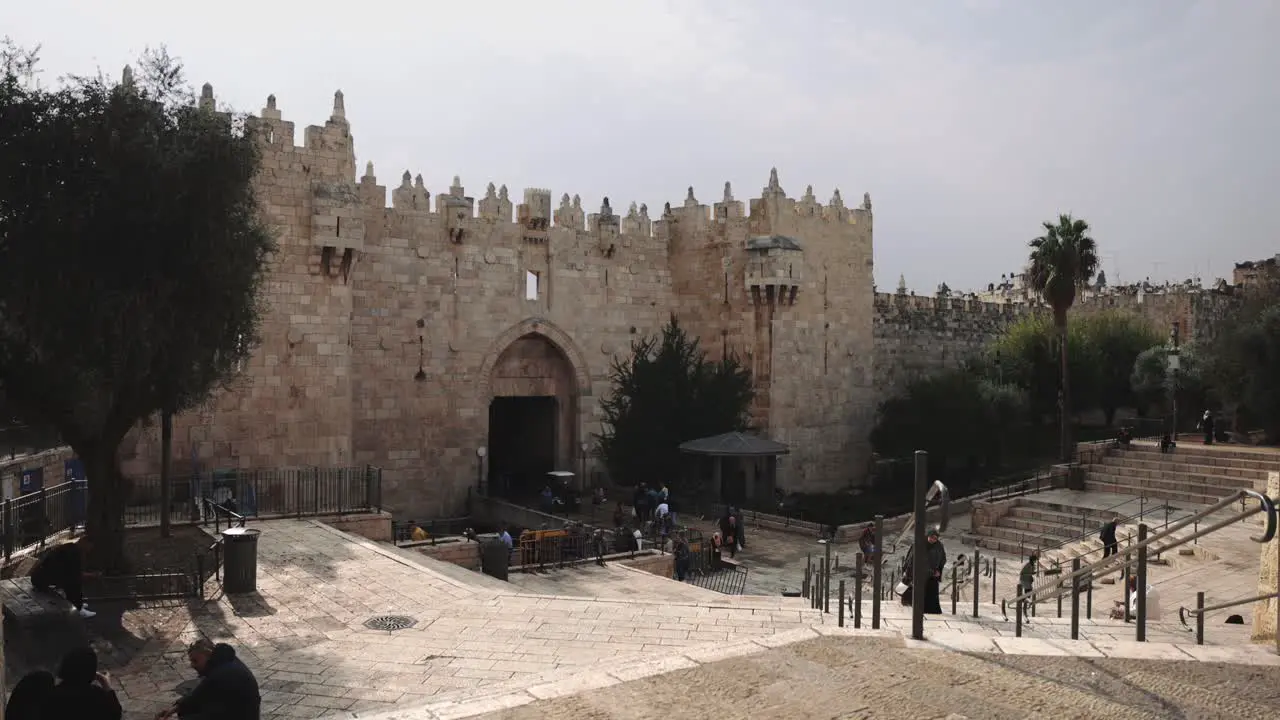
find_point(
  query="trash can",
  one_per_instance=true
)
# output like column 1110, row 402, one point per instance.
column 495, row 559
column 240, row 560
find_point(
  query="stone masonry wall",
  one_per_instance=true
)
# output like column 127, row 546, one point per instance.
column 919, row 336
column 390, row 329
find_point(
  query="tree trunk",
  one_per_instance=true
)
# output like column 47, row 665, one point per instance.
column 166, row 482
column 1065, row 411
column 108, row 492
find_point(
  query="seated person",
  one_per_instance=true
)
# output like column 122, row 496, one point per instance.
column 1167, row 443
column 63, row 568
column 1124, row 438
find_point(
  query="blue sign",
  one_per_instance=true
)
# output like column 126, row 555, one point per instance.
column 32, row 481
column 73, row 471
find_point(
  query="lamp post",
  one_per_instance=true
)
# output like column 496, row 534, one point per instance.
column 480, row 453
column 1175, row 363
column 582, row 484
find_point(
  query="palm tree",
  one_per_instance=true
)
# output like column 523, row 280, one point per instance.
column 1063, row 261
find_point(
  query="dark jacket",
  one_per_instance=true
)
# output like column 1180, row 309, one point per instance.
column 227, row 690
column 62, row 562
column 83, row 702
column 1108, row 533
column 937, row 556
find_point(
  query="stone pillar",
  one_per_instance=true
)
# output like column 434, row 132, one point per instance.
column 1266, row 614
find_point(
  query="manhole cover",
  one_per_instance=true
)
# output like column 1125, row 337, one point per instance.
column 390, row 623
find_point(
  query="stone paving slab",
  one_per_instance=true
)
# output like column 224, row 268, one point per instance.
column 303, row 631
column 856, row 674
column 475, row 650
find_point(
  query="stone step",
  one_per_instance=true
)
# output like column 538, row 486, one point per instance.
column 1226, row 483
column 1030, row 536
column 1128, row 460
column 1251, row 459
column 1169, row 491
column 1063, row 518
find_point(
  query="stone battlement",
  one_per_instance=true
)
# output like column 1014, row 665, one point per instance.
column 340, row 199
column 887, row 303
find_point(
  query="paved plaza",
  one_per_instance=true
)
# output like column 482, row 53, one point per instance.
column 882, row 678
column 478, row 646
column 304, row 633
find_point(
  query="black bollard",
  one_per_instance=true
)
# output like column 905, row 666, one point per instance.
column 841, row 601
column 826, row 586
column 857, row 591
column 1127, row 616
column 1200, row 618
column 921, row 571
column 1075, row 598
column 993, row 581
column 1141, row 620
column 1017, row 613
column 876, row 579
column 1088, row 598
column 955, row 588
column 977, row 574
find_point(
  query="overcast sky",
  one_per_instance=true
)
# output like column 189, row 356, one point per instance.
column 968, row 121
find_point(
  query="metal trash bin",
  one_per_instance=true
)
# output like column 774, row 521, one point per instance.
column 240, row 560
column 495, row 559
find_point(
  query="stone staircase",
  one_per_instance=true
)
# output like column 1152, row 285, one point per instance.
column 1034, row 522
column 1190, row 474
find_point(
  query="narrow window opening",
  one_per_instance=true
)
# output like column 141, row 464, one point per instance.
column 530, row 285
column 337, row 228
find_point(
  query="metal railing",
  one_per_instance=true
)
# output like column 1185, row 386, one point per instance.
column 1199, row 611
column 402, row 530
column 727, row 579
column 281, row 492
column 31, row 520
column 1085, row 534
column 1071, row 583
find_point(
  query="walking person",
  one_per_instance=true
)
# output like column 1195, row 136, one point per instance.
column 936, row 555
column 1027, row 578
column 1110, row 545
column 729, row 533
column 1207, row 425
column 63, row 568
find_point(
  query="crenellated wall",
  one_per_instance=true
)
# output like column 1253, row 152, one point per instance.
column 390, row 329
column 918, row 336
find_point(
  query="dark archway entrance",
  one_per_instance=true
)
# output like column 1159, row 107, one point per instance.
column 522, row 443
column 532, row 417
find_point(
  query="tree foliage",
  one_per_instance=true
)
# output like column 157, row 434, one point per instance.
column 1063, row 260
column 959, row 417
column 1101, row 350
column 665, row 393
column 1242, row 363
column 132, row 251
column 1154, row 385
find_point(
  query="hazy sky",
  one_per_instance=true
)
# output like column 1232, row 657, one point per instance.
column 968, row 121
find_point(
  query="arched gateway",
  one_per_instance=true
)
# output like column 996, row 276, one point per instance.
column 535, row 386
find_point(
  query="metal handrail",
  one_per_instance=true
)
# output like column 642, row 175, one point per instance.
column 1062, row 584
column 1119, row 521
column 1183, row 612
column 233, row 519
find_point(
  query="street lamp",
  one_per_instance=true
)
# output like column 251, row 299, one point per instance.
column 1175, row 364
column 480, row 453
column 583, row 482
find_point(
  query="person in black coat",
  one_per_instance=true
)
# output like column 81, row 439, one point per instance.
column 227, row 690
column 1107, row 535
column 83, row 693
column 30, row 697
column 63, row 568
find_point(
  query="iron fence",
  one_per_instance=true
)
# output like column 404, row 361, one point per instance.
column 31, row 520
column 730, row 580
column 269, row 492
column 402, row 530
